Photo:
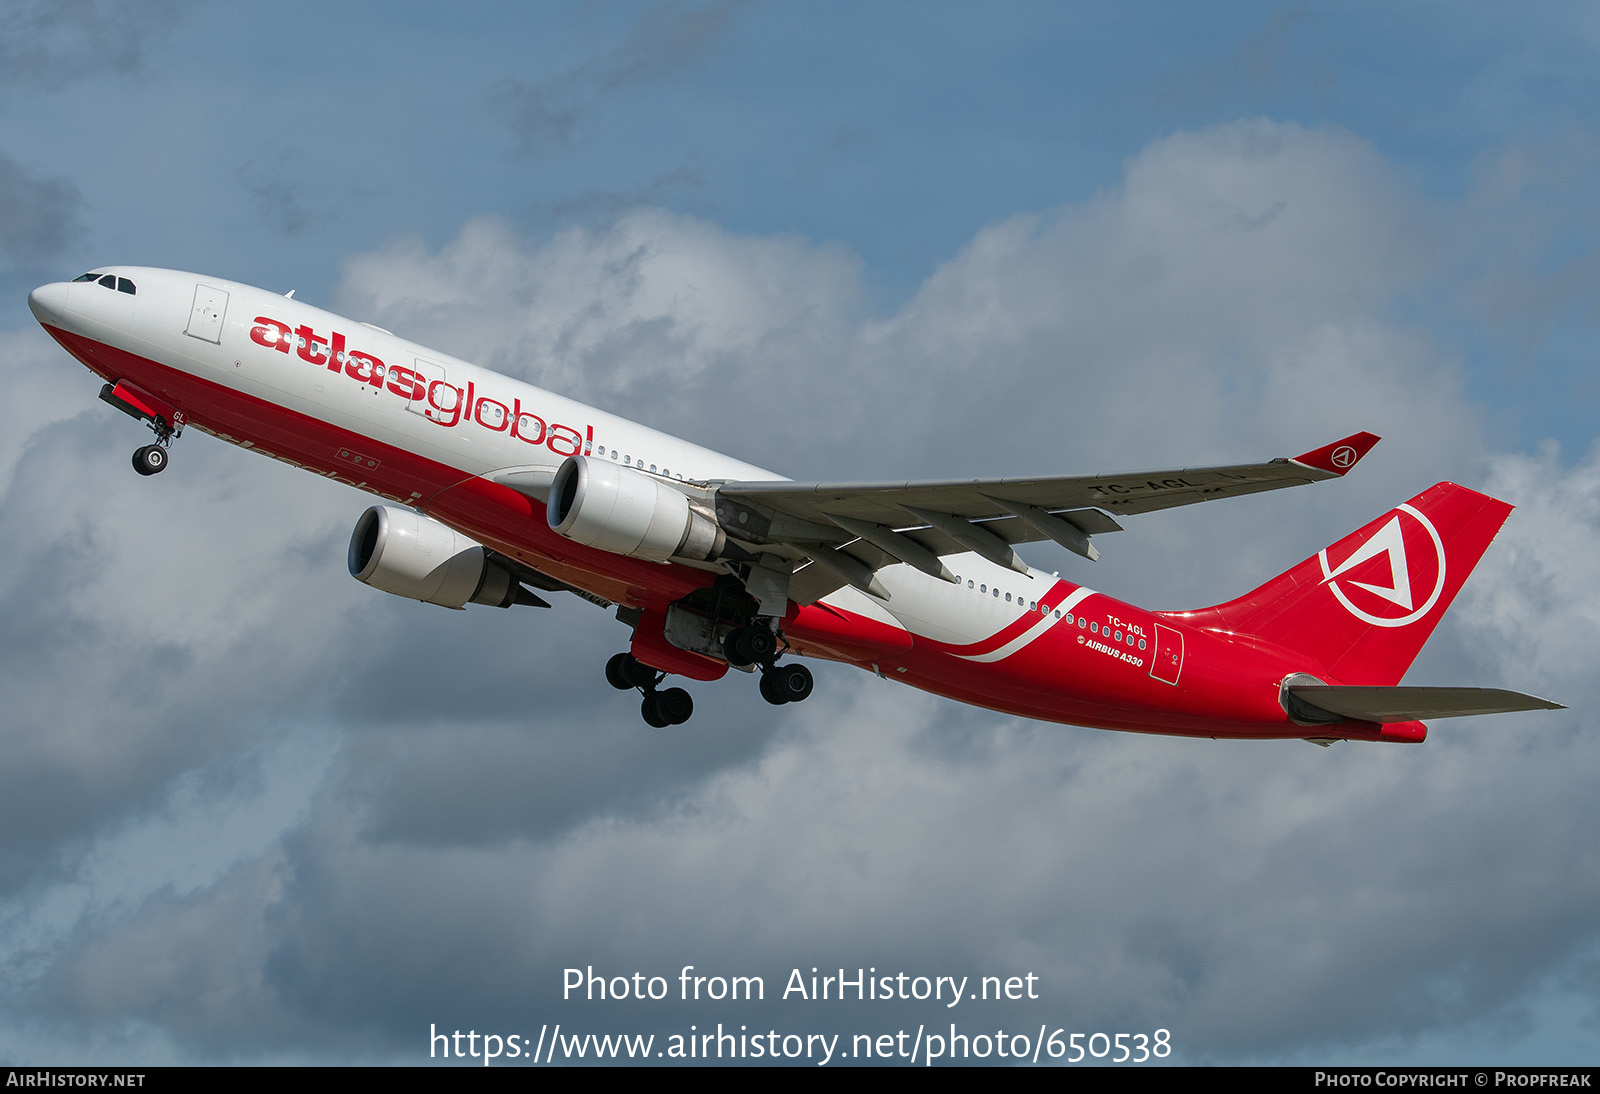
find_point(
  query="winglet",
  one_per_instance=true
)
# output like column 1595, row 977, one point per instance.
column 1340, row 456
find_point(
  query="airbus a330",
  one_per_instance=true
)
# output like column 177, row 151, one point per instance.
column 498, row 491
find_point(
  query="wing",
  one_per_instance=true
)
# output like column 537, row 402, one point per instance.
column 849, row 530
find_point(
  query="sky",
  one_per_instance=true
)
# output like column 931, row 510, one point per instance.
column 252, row 811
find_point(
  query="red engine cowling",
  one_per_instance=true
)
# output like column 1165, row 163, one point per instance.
column 409, row 555
column 626, row 512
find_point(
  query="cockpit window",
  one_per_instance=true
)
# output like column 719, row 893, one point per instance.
column 124, row 285
column 109, row 281
column 85, row 277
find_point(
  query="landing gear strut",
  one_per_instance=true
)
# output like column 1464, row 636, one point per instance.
column 756, row 644
column 151, row 459
column 165, row 421
column 671, row 707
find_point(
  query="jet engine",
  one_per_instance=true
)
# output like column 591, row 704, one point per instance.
column 408, row 554
column 627, row 512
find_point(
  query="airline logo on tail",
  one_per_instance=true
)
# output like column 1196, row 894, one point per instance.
column 1380, row 581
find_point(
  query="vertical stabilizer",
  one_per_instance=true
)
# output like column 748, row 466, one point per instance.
column 1363, row 607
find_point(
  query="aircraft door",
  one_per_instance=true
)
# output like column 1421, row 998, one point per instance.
column 205, row 318
column 1166, row 662
column 438, row 401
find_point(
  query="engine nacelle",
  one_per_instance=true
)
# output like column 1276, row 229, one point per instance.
column 407, row 554
column 626, row 512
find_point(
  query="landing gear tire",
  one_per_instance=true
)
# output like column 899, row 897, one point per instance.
column 672, row 707
column 150, row 459
column 789, row 684
column 794, row 682
column 626, row 672
column 752, row 645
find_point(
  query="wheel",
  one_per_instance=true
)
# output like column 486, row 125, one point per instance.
column 752, row 645
column 733, row 649
column 652, row 716
column 672, row 707
column 150, row 459
column 675, row 705
column 794, row 682
column 617, row 674
column 770, row 690
column 760, row 644
column 625, row 672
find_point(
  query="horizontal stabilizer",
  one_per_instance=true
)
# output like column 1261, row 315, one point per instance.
column 1408, row 704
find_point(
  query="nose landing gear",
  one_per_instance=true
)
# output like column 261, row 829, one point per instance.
column 164, row 420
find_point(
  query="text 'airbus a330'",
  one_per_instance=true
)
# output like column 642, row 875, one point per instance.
column 500, row 488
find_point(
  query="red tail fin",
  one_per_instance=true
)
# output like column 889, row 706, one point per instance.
column 1364, row 607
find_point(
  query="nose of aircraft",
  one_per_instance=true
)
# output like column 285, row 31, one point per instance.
column 49, row 302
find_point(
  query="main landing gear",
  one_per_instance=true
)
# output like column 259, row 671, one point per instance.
column 755, row 645
column 758, row 645
column 660, row 709
column 785, row 683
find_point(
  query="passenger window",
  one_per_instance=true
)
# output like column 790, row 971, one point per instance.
column 124, row 285
column 1008, row 598
column 969, row 583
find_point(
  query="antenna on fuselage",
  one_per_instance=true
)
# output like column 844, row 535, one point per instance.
column 289, row 295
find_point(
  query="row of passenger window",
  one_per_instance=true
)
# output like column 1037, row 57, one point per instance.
column 600, row 450
column 1115, row 635
column 110, row 281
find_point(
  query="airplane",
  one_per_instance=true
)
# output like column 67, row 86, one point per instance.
column 501, row 491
